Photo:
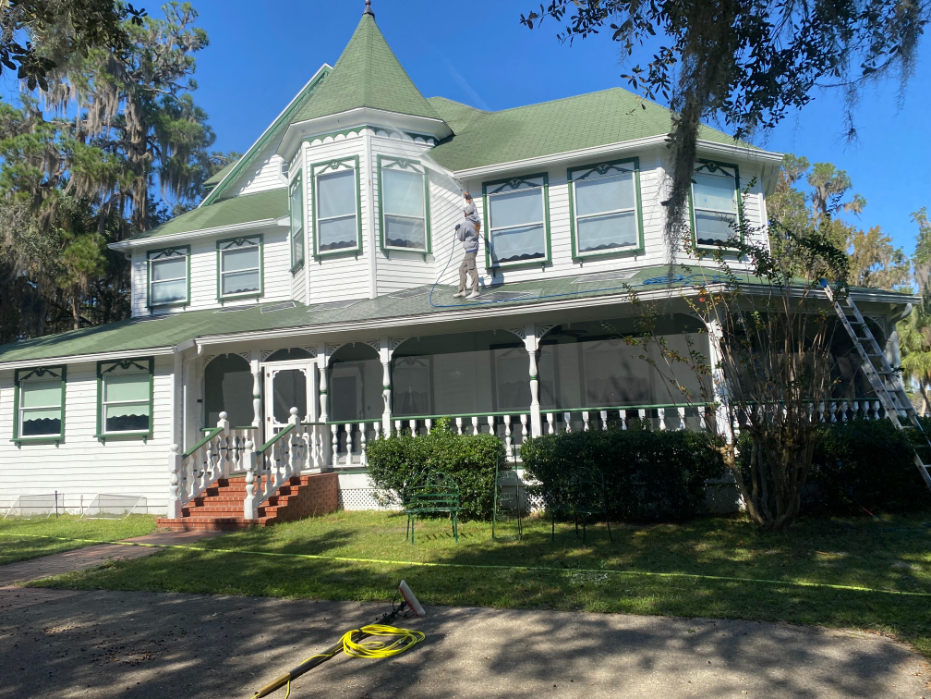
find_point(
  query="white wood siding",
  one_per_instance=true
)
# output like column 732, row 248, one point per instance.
column 80, row 464
column 264, row 174
column 203, row 270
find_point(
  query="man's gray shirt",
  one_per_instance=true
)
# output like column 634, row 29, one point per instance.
column 467, row 235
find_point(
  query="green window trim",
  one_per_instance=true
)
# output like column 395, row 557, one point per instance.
column 145, row 363
column 297, row 185
column 495, row 187
column 164, row 253
column 404, row 164
column 232, row 243
column 713, row 166
column 322, row 168
column 20, row 375
column 576, row 174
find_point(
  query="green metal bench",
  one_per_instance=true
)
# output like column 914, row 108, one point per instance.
column 433, row 493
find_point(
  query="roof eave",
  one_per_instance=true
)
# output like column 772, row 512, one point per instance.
column 358, row 117
column 199, row 233
column 704, row 147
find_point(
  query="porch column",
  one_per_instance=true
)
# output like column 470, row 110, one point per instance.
column 173, row 510
column 256, row 366
column 718, row 386
column 384, row 354
column 532, row 345
column 323, row 360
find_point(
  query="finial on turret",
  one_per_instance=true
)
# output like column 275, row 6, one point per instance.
column 368, row 8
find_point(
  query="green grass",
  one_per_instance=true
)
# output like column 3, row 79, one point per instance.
column 20, row 536
column 854, row 552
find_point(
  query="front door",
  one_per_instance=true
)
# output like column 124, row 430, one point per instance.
column 291, row 384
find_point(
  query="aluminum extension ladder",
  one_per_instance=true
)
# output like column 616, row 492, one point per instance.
column 886, row 382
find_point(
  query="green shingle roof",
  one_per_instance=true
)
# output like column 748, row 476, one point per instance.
column 226, row 212
column 219, row 175
column 142, row 334
column 368, row 74
column 596, row 119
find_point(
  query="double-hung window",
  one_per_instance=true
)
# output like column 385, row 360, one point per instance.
column 403, row 198
column 337, row 214
column 40, row 403
column 715, row 203
column 169, row 272
column 606, row 208
column 516, row 213
column 296, row 200
column 239, row 262
column 124, row 393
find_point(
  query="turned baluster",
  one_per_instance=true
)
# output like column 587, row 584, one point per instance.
column 585, row 426
column 508, row 441
column 551, row 423
column 603, row 414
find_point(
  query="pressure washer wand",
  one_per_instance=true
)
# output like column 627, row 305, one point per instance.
column 409, row 601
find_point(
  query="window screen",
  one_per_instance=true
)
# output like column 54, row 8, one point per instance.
column 125, row 399
column 714, row 202
column 168, row 277
column 40, row 404
column 228, row 388
column 605, row 208
column 297, row 223
column 517, row 220
column 337, row 222
column 404, row 217
column 240, row 267
column 355, row 384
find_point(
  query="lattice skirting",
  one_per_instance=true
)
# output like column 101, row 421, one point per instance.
column 362, row 499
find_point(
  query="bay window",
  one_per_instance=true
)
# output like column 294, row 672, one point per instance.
column 403, row 202
column 337, row 209
column 296, row 203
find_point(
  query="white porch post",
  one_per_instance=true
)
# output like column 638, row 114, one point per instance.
column 531, row 344
column 718, row 385
column 385, row 355
column 256, row 366
column 323, row 360
column 177, row 437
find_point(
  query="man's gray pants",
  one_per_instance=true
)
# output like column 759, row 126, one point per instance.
column 468, row 267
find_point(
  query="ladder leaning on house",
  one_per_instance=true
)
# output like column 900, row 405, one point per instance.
column 886, row 382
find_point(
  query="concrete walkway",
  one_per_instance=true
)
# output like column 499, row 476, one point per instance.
column 91, row 557
column 152, row 646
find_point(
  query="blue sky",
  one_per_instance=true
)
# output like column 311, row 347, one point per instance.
column 261, row 54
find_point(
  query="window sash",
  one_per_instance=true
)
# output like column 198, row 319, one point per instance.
column 228, row 274
column 39, row 411
column 529, row 227
column 334, row 234
column 155, row 285
column 401, row 196
column 723, row 215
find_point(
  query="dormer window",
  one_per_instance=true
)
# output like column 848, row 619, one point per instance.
column 169, row 277
column 403, row 203
column 715, row 203
column 239, row 266
column 517, row 220
column 337, row 207
column 605, row 208
column 296, row 200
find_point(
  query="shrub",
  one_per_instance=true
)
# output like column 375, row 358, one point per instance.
column 868, row 461
column 470, row 460
column 649, row 475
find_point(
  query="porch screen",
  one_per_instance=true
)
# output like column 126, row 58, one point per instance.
column 337, row 221
column 589, row 365
column 462, row 374
column 605, row 207
column 355, row 384
column 714, row 200
column 40, row 403
column 168, row 276
column 228, row 387
column 517, row 219
column 240, row 266
column 404, row 214
column 125, row 396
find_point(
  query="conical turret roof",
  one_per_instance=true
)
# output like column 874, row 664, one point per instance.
column 368, row 74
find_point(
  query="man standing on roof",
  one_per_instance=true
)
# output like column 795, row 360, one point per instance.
column 467, row 233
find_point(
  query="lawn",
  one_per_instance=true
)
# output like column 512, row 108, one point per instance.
column 630, row 575
column 22, row 538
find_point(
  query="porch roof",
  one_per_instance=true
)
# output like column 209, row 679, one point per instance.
column 162, row 334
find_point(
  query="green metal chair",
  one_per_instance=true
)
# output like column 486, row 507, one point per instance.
column 509, row 499
column 588, row 496
column 433, row 493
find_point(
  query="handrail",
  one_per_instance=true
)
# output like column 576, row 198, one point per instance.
column 270, row 442
column 372, row 421
column 452, row 416
column 244, row 427
column 318, row 424
column 210, row 435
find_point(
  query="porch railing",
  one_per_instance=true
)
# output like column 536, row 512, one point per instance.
column 298, row 447
column 218, row 454
column 348, row 439
column 511, row 427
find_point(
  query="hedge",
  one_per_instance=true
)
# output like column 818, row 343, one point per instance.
column 470, row 460
column 649, row 475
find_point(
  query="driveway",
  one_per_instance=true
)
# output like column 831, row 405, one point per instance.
column 158, row 646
